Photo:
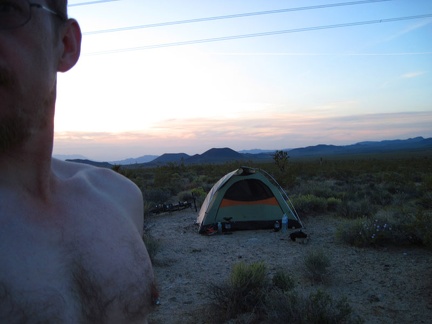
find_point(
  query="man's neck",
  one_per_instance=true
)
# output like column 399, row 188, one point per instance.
column 28, row 168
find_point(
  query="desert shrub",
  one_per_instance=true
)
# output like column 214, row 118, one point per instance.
column 148, row 205
column 353, row 232
column 318, row 307
column 365, row 232
column 425, row 200
column 306, row 204
column 355, row 208
column 284, row 307
column 249, row 297
column 316, row 265
column 321, row 308
column 248, row 277
column 385, row 228
column 190, row 197
column 427, row 183
column 323, row 190
column 199, row 195
column 244, row 292
column 420, row 228
column 184, row 196
column 333, row 203
column 285, row 179
column 152, row 245
column 317, row 188
column 380, row 196
column 283, row 281
column 157, row 196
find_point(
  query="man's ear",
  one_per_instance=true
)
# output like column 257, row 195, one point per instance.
column 71, row 45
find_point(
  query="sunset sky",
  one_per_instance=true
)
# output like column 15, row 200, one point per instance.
column 184, row 76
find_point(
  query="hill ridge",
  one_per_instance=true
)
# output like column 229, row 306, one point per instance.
column 226, row 154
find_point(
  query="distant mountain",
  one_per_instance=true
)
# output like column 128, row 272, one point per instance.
column 258, row 151
column 98, row 164
column 169, row 158
column 216, row 155
column 141, row 159
column 388, row 146
column 69, row 157
column 222, row 155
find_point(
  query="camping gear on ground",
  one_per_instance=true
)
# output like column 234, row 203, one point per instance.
column 248, row 198
column 284, row 223
column 299, row 236
column 219, row 228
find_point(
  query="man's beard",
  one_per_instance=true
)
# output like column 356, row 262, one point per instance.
column 17, row 123
column 14, row 132
column 13, row 128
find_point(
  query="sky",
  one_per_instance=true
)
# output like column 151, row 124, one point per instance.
column 185, row 76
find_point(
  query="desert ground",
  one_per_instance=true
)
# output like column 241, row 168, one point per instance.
column 382, row 285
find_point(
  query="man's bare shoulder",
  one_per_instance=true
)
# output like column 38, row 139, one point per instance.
column 102, row 181
column 103, row 178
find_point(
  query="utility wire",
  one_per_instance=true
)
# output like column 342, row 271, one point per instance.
column 278, row 32
column 90, row 3
column 248, row 14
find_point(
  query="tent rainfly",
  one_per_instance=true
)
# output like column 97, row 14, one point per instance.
column 246, row 198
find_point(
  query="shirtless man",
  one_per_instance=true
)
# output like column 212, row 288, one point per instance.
column 71, row 248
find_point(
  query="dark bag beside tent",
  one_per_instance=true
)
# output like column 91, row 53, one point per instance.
column 246, row 198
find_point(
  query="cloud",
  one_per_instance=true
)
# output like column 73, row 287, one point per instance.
column 405, row 76
column 272, row 131
column 409, row 29
column 411, row 75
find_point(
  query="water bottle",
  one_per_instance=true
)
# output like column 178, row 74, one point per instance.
column 219, row 228
column 284, row 223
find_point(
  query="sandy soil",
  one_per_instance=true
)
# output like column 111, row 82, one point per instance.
column 387, row 285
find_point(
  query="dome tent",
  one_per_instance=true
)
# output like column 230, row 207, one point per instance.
column 246, row 198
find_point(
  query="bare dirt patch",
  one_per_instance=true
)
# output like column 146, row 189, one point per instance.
column 385, row 285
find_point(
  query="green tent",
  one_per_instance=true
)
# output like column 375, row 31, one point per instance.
column 246, row 198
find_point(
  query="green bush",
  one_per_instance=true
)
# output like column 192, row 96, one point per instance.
column 199, row 195
column 353, row 232
column 420, row 228
column 152, row 245
column 306, row 204
column 385, row 228
column 316, row 265
column 321, row 308
column 249, row 297
column 333, row 204
column 244, row 292
column 248, row 276
column 427, row 183
column 364, row 232
column 355, row 208
column 283, row 281
column 425, row 200
column 157, row 196
column 318, row 307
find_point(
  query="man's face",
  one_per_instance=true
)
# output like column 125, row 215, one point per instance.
column 28, row 67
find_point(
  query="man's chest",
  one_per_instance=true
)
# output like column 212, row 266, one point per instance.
column 71, row 275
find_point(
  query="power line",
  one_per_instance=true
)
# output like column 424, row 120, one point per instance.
column 90, row 3
column 248, row 14
column 278, row 32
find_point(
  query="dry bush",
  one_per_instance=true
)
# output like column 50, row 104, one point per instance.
column 316, row 266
